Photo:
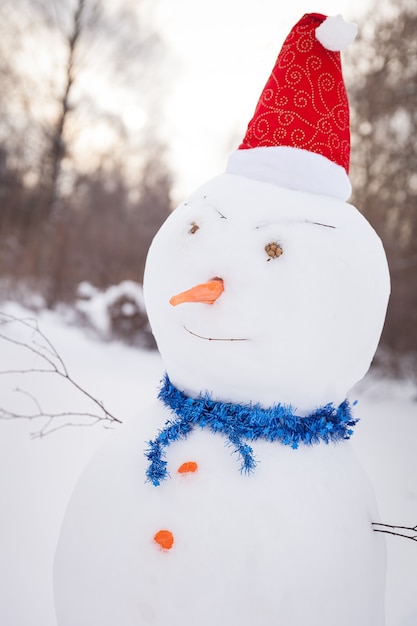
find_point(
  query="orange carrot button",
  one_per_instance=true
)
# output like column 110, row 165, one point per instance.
column 165, row 539
column 189, row 466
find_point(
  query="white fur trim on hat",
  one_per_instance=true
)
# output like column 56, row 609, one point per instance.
column 293, row 168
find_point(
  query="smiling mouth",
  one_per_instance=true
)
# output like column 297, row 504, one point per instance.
column 215, row 338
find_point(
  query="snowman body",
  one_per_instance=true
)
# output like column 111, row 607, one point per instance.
column 290, row 542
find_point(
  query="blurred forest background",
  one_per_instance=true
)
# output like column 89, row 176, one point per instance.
column 84, row 179
column 382, row 85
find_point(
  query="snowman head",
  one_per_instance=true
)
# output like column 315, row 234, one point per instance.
column 265, row 285
column 303, row 291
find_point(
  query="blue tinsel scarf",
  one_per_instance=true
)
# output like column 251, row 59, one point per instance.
column 239, row 422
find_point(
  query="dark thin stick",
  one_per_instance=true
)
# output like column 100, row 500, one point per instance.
column 391, row 529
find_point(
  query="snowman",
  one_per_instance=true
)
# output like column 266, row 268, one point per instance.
column 237, row 498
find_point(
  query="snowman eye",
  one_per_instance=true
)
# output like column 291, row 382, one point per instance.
column 273, row 250
column 194, row 228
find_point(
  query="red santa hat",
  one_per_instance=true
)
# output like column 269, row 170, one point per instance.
column 299, row 136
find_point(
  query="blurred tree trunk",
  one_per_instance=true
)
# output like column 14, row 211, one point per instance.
column 53, row 254
column 58, row 145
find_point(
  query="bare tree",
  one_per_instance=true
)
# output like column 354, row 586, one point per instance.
column 110, row 50
column 383, row 90
column 81, row 65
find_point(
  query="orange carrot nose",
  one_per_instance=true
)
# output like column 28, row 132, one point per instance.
column 207, row 292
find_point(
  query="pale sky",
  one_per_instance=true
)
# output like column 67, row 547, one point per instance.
column 221, row 53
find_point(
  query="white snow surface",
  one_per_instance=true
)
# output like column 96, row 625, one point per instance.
column 39, row 475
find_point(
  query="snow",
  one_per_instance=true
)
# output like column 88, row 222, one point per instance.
column 39, row 475
column 386, row 443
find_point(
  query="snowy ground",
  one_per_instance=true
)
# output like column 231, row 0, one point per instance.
column 38, row 475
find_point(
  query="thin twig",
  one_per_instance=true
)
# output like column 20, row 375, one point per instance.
column 31, row 396
column 391, row 529
column 42, row 348
column 35, row 351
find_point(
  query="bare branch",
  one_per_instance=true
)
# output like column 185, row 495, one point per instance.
column 51, row 363
column 398, row 531
column 36, row 348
